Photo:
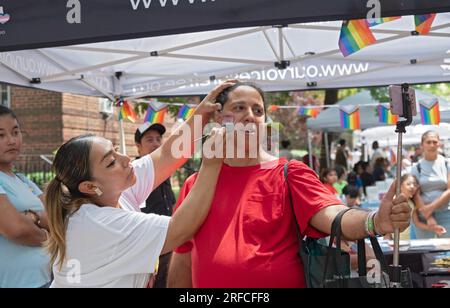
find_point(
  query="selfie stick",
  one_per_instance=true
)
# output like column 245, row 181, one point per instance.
column 396, row 268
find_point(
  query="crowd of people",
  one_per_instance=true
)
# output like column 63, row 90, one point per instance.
column 98, row 224
column 425, row 180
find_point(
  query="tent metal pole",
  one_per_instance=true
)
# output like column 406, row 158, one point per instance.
column 289, row 46
column 212, row 40
column 217, row 59
column 327, row 149
column 122, row 145
column 280, row 42
column 105, row 50
column 271, row 45
column 94, row 67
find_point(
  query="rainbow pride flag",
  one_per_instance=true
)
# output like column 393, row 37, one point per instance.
column 127, row 112
column 424, row 23
column 355, row 35
column 350, row 117
column 155, row 117
column 185, row 112
column 308, row 112
column 429, row 111
column 378, row 21
column 385, row 115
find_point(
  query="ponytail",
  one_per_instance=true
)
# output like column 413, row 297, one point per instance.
column 62, row 197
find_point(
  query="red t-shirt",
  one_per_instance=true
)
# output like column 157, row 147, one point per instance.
column 249, row 239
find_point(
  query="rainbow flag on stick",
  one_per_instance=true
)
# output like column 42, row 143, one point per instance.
column 378, row 21
column 308, row 112
column 385, row 115
column 355, row 35
column 185, row 112
column 127, row 112
column 424, row 23
column 350, row 117
column 429, row 111
column 155, row 117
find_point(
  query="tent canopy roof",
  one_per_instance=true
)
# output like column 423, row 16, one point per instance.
column 192, row 63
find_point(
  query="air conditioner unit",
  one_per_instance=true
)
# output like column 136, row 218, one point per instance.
column 106, row 106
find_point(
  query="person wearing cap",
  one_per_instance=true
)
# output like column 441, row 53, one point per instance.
column 148, row 138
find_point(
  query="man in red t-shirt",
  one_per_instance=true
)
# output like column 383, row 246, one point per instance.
column 249, row 239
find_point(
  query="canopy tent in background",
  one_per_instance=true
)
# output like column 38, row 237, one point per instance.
column 329, row 120
column 386, row 135
column 292, row 57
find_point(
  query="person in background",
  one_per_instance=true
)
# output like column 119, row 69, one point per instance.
column 285, row 152
column 341, row 182
column 354, row 180
column 148, row 138
column 352, row 196
column 342, row 155
column 379, row 170
column 329, row 177
column 410, row 188
column 377, row 153
column 362, row 168
column 23, row 223
column 433, row 174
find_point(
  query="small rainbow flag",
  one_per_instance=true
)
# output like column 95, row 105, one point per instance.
column 127, row 112
column 355, row 35
column 350, row 117
column 309, row 112
column 429, row 111
column 185, row 112
column 378, row 21
column 385, row 115
column 424, row 23
column 155, row 117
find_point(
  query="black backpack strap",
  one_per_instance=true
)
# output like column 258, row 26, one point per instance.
column 362, row 260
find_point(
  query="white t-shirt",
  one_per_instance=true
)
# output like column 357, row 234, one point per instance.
column 114, row 248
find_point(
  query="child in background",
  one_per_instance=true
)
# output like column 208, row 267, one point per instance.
column 410, row 188
column 341, row 182
column 329, row 177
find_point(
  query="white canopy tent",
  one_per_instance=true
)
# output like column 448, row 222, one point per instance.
column 329, row 120
column 188, row 64
column 386, row 136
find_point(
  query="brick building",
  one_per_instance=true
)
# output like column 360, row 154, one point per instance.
column 50, row 118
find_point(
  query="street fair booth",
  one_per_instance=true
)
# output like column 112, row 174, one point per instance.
column 128, row 51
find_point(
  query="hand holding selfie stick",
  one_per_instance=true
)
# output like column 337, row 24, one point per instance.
column 407, row 111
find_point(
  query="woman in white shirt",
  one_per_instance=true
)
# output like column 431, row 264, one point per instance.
column 98, row 237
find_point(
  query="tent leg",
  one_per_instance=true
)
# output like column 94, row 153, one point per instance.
column 311, row 165
column 327, row 150
column 123, row 148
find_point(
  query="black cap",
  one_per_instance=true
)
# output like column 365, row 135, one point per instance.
column 140, row 132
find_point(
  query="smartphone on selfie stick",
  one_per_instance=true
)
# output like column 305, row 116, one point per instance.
column 403, row 104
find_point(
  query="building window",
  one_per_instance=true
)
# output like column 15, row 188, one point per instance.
column 5, row 95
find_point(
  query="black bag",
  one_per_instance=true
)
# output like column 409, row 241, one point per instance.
column 328, row 267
